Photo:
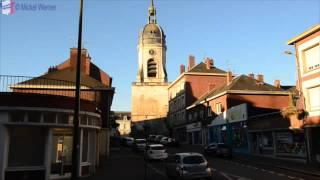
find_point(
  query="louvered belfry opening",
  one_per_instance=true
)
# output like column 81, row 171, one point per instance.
column 152, row 68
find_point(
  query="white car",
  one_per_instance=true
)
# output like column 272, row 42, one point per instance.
column 164, row 140
column 156, row 151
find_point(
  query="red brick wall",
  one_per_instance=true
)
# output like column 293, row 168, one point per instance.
column 197, row 85
column 221, row 99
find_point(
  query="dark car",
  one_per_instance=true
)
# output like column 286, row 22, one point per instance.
column 139, row 145
column 223, row 150
column 210, row 149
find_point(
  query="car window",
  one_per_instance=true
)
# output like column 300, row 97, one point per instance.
column 193, row 160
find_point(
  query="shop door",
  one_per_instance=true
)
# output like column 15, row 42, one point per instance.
column 61, row 154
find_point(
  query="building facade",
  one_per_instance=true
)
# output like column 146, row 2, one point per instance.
column 36, row 121
column 307, row 50
column 224, row 112
column 151, row 82
column 189, row 87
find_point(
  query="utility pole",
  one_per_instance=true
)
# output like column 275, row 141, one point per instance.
column 76, row 138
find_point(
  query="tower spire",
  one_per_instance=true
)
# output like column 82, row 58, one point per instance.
column 152, row 13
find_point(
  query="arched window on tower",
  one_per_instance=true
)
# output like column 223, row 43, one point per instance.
column 152, row 68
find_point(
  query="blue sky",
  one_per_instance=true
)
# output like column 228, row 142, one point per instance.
column 245, row 36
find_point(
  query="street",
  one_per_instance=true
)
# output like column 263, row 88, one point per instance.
column 125, row 164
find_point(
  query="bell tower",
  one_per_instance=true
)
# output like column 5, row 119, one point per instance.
column 149, row 99
column 152, row 51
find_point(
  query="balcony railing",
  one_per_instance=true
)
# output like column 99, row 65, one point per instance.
column 24, row 84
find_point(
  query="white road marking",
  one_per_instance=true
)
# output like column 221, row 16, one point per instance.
column 291, row 177
column 227, row 176
column 280, row 174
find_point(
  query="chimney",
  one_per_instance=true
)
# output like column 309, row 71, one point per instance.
column 251, row 75
column 209, row 63
column 211, row 86
column 182, row 68
column 191, row 62
column 229, row 77
column 277, row 83
column 260, row 78
column 85, row 60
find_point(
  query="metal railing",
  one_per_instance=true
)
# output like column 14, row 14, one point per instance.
column 38, row 85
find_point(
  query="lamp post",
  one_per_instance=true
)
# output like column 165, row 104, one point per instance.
column 76, row 138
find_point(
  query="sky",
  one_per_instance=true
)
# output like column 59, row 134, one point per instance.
column 243, row 36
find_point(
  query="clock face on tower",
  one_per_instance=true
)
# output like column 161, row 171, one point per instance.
column 151, row 52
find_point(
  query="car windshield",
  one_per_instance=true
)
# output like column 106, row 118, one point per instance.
column 193, row 160
column 157, row 148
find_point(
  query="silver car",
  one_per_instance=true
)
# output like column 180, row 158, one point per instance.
column 188, row 166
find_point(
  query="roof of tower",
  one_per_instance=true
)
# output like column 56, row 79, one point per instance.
column 152, row 32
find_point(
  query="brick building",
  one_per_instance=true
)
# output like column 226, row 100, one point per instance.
column 36, row 121
column 223, row 115
column 190, row 85
column 307, row 51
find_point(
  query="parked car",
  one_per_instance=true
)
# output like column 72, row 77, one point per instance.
column 139, row 145
column 188, row 165
column 158, row 138
column 151, row 138
column 127, row 141
column 210, row 149
column 172, row 142
column 155, row 151
column 164, row 140
column 223, row 150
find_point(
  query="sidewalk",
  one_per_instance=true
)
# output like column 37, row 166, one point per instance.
column 121, row 165
column 266, row 161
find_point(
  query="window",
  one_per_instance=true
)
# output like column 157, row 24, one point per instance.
column 17, row 116
column 49, row 117
column 311, row 58
column 201, row 114
column 152, row 68
column 218, row 108
column 26, row 147
column 314, row 96
column 85, row 145
column 34, row 116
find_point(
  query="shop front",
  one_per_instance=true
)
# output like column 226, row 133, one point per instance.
column 194, row 133
column 269, row 135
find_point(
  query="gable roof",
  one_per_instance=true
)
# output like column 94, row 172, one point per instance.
column 202, row 68
column 241, row 83
column 64, row 77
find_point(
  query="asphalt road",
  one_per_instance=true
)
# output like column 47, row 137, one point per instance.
column 125, row 164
